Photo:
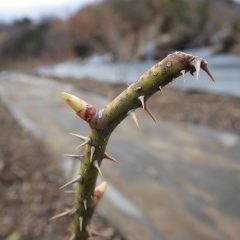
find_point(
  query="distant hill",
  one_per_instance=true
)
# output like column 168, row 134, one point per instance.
column 127, row 32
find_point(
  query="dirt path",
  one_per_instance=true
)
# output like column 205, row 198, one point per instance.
column 29, row 181
column 174, row 182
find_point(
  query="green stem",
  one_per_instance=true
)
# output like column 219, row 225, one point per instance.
column 150, row 82
column 85, row 190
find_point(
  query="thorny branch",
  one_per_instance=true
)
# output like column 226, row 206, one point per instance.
column 103, row 122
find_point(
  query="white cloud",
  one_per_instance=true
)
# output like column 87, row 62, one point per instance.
column 16, row 4
column 35, row 9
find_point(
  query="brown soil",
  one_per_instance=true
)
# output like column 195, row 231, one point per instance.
column 215, row 110
column 29, row 181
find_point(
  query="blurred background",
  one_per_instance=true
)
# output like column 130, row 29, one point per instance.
column 179, row 178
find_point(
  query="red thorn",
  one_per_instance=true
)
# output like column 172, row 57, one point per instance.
column 75, row 180
column 79, row 136
column 109, row 157
column 150, row 114
column 135, row 120
column 75, row 156
column 205, row 69
column 141, row 99
column 81, row 223
column 96, row 165
column 67, row 212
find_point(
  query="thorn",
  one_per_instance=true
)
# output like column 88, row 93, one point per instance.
column 77, row 179
column 160, row 88
column 183, row 75
column 81, row 223
column 205, row 69
column 67, row 212
column 197, row 65
column 85, row 204
column 109, row 157
column 79, row 136
column 98, row 234
column 88, row 140
column 75, row 156
column 96, row 165
column 92, row 150
column 150, row 114
column 134, row 117
column 70, row 191
column 141, row 98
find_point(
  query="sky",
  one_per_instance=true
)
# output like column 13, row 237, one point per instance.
column 35, row 9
